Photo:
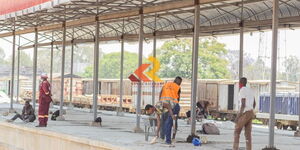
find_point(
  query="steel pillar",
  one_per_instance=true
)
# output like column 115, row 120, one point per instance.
column 34, row 68
column 299, row 111
column 71, row 71
column 241, row 57
column 12, row 69
column 51, row 61
column 18, row 75
column 120, row 110
column 297, row 133
column 154, row 55
column 51, row 67
column 274, row 72
column 96, row 70
column 195, row 67
column 62, row 79
column 139, row 90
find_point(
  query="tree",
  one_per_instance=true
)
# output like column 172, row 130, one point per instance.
column 82, row 54
column 109, row 66
column 25, row 59
column 256, row 70
column 176, row 59
column 2, row 56
column 292, row 66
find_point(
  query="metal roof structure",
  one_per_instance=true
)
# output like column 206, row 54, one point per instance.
column 165, row 18
column 68, row 22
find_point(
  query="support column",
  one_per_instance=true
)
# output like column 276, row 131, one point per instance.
column 18, row 75
column 11, row 109
column 51, row 62
column 51, row 68
column 96, row 70
column 154, row 55
column 297, row 133
column 34, row 68
column 138, row 129
column 241, row 57
column 195, row 66
column 273, row 74
column 120, row 110
column 71, row 72
column 62, row 79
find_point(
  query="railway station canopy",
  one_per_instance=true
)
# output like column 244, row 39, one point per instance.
column 65, row 22
column 120, row 18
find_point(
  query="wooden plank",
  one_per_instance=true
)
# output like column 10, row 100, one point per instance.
column 50, row 27
column 118, row 15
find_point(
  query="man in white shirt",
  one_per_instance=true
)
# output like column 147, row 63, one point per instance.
column 245, row 115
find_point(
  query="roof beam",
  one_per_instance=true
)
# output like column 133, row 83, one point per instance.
column 205, row 30
column 117, row 15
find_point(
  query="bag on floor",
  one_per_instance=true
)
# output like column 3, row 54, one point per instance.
column 55, row 115
column 210, row 128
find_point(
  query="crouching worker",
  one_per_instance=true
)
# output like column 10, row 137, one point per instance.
column 158, row 109
column 168, row 103
column 27, row 114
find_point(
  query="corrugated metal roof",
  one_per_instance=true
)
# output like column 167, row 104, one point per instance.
column 216, row 17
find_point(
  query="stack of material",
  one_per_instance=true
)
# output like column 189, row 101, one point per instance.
column 185, row 98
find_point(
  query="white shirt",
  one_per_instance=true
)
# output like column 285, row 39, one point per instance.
column 247, row 93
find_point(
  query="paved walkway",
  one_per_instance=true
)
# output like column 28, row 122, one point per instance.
column 119, row 131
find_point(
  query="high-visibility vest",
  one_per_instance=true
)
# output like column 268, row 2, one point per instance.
column 170, row 92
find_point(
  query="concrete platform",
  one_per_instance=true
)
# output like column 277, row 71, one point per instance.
column 117, row 133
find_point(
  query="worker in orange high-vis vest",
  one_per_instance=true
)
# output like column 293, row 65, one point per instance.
column 44, row 101
column 170, row 94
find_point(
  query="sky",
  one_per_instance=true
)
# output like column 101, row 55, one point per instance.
column 288, row 45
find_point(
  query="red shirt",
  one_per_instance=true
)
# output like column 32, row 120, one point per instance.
column 45, row 88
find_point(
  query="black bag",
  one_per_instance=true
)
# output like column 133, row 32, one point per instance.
column 98, row 119
column 55, row 115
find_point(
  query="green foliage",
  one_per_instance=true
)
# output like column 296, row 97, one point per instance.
column 110, row 65
column 250, row 70
column 25, row 59
column 88, row 72
column 292, row 65
column 176, row 59
column 2, row 56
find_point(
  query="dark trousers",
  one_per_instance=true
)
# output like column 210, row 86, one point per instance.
column 168, row 129
column 176, row 111
column 30, row 118
column 167, row 124
column 163, row 118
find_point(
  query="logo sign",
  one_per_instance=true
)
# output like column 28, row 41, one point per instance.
column 139, row 75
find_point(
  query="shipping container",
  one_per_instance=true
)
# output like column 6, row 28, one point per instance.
column 285, row 103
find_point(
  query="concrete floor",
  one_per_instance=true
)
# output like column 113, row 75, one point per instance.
column 119, row 131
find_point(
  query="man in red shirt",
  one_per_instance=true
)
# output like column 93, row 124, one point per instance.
column 44, row 101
